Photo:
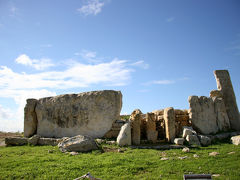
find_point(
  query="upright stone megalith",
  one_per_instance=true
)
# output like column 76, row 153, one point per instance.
column 87, row 113
column 152, row 134
column 30, row 118
column 135, row 120
column 169, row 118
column 224, row 84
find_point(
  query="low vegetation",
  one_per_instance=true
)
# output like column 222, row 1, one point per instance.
column 47, row 162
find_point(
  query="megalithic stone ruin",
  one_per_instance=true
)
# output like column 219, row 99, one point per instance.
column 224, row 85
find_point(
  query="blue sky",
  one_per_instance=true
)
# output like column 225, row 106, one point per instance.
column 157, row 52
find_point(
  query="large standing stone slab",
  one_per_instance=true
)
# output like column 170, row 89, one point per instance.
column 221, row 114
column 202, row 114
column 169, row 118
column 124, row 137
column 135, row 120
column 224, row 84
column 152, row 134
column 30, row 118
column 89, row 113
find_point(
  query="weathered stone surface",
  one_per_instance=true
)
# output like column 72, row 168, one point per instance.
column 78, row 144
column 89, row 113
column 114, row 131
column 204, row 140
column 124, row 137
column 179, row 141
column 135, row 120
column 16, row 141
column 202, row 114
column 169, row 118
column 152, row 134
column 48, row 141
column 193, row 140
column 235, row 140
column 188, row 131
column 221, row 114
column 216, row 93
column 30, row 118
column 33, row 140
column 224, row 84
column 158, row 112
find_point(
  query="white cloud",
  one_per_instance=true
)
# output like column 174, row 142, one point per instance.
column 141, row 64
column 92, row 7
column 21, row 86
column 89, row 56
column 160, row 82
column 38, row 64
column 170, row 19
column 76, row 75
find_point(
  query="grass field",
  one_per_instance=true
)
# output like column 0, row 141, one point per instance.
column 29, row 162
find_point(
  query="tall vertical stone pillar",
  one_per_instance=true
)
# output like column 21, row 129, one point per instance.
column 169, row 118
column 30, row 118
column 151, row 127
column 135, row 120
column 224, row 84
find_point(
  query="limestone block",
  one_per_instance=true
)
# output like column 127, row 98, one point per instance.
column 188, row 131
column 204, row 140
column 124, row 137
column 179, row 141
column 202, row 114
column 222, row 117
column 30, row 118
column 169, row 118
column 216, row 93
column 88, row 113
column 78, row 144
column 16, row 141
column 33, row 140
column 48, row 141
column 158, row 112
column 235, row 140
column 193, row 140
column 224, row 84
column 135, row 120
column 152, row 134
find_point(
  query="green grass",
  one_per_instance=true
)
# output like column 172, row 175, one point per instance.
column 29, row 162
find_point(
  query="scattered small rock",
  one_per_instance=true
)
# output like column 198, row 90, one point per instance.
column 215, row 175
column 186, row 149
column 196, row 156
column 184, row 157
column 164, row 159
column 73, row 153
column 50, row 151
column 231, row 152
column 213, row 154
column 120, row 150
column 235, row 140
column 179, row 141
column 87, row 176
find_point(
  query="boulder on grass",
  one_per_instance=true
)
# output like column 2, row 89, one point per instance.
column 204, row 140
column 188, row 131
column 193, row 140
column 33, row 140
column 235, row 140
column 16, row 141
column 78, row 143
column 179, row 141
column 124, row 137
